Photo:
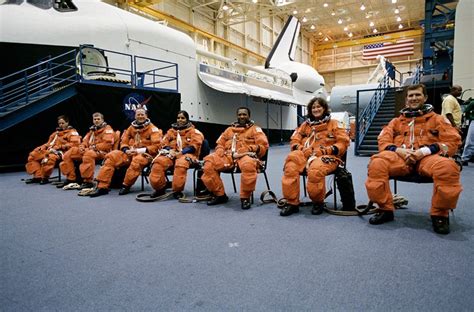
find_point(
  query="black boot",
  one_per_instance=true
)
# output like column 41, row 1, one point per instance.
column 318, row 208
column 124, row 190
column 216, row 200
column 178, row 195
column 64, row 183
column 440, row 224
column 85, row 185
column 381, row 216
column 288, row 210
column 245, row 203
column 99, row 192
column 157, row 193
column 33, row 180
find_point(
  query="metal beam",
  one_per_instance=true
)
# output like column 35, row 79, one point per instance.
column 188, row 27
column 414, row 33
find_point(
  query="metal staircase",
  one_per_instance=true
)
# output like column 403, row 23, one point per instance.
column 45, row 84
column 385, row 113
column 53, row 80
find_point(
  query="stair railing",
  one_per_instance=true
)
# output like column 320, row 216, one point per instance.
column 34, row 82
column 364, row 119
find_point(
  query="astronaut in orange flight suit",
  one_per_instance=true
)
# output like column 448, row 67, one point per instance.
column 96, row 144
column 421, row 141
column 316, row 145
column 139, row 144
column 241, row 144
column 41, row 160
column 181, row 146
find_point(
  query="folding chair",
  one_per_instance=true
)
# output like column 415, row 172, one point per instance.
column 304, row 174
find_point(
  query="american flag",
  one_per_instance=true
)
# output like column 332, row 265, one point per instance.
column 387, row 49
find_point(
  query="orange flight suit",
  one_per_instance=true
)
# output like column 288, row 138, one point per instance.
column 240, row 139
column 42, row 159
column 188, row 141
column 316, row 146
column 430, row 130
column 96, row 144
column 146, row 136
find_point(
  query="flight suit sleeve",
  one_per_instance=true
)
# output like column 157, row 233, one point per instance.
column 222, row 142
column 196, row 141
column 296, row 140
column 385, row 139
column 125, row 140
column 85, row 140
column 156, row 141
column 261, row 143
column 448, row 136
column 342, row 142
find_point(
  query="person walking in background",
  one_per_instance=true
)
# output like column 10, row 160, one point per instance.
column 450, row 107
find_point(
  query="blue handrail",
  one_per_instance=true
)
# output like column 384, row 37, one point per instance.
column 31, row 83
column 53, row 73
column 367, row 116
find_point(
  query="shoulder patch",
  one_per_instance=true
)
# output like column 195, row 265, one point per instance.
column 155, row 129
column 109, row 131
column 258, row 129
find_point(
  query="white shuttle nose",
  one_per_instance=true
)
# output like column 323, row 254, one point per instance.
column 306, row 78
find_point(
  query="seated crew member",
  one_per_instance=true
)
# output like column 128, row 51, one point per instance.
column 241, row 144
column 139, row 144
column 42, row 159
column 181, row 146
column 418, row 141
column 316, row 145
column 96, row 144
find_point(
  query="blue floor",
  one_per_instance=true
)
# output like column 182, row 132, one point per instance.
column 62, row 252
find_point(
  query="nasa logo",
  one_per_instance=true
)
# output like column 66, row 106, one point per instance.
column 133, row 101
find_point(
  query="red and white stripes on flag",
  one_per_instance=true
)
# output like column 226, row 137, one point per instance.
column 388, row 49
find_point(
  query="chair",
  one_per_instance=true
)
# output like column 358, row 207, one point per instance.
column 304, row 174
column 412, row 178
column 262, row 169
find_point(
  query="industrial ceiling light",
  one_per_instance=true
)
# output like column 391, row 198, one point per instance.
column 374, row 31
column 305, row 19
column 225, row 7
column 394, row 1
column 396, row 11
column 313, row 27
column 350, row 35
column 345, row 28
column 371, row 24
column 326, row 39
column 339, row 21
column 362, row 7
column 399, row 19
column 325, row 5
column 333, row 13
column 400, row 26
column 320, row 33
column 295, row 12
column 367, row 15
column 254, row 1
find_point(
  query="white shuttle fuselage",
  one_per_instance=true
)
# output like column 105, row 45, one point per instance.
column 121, row 31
